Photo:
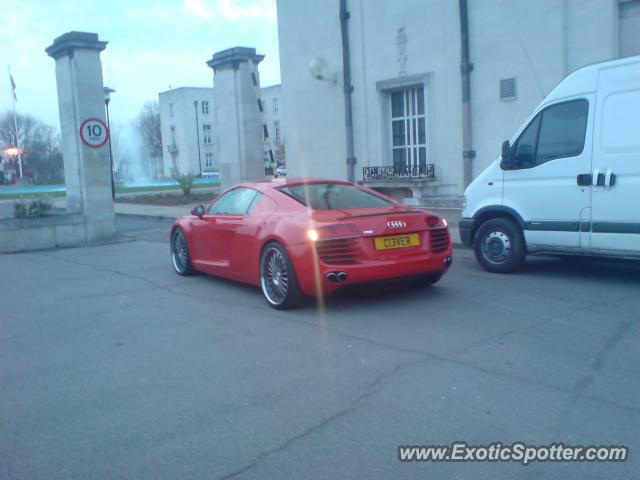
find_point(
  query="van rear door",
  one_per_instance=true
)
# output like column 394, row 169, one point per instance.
column 615, row 225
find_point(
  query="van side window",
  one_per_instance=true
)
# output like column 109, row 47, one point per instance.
column 526, row 146
column 556, row 132
column 562, row 131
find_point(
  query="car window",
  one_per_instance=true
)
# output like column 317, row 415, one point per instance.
column 235, row 202
column 333, row 196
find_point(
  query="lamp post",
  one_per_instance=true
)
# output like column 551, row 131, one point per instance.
column 107, row 98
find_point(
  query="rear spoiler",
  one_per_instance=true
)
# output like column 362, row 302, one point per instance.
column 405, row 212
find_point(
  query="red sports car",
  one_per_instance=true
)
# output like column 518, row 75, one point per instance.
column 299, row 238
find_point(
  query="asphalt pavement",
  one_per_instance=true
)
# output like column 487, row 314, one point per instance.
column 112, row 366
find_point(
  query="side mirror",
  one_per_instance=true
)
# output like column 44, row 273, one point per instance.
column 506, row 157
column 197, row 211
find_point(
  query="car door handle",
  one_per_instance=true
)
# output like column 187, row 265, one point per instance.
column 597, row 179
column 584, row 179
column 609, row 178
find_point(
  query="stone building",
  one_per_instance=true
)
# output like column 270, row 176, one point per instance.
column 188, row 122
column 413, row 134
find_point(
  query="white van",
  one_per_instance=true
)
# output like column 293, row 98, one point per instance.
column 569, row 180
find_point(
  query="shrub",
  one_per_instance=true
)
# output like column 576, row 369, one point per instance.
column 40, row 207
column 185, row 180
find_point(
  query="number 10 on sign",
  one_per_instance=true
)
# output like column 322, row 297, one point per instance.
column 94, row 133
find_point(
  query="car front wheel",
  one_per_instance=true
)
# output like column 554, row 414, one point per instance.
column 499, row 246
column 278, row 279
column 180, row 253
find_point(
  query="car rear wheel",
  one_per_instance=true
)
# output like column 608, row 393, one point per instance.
column 180, row 253
column 278, row 278
column 499, row 246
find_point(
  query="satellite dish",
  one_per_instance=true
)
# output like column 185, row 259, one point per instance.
column 319, row 69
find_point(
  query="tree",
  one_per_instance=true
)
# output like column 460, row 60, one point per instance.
column 40, row 144
column 45, row 158
column 148, row 125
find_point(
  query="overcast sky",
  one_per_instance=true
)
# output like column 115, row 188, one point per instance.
column 153, row 44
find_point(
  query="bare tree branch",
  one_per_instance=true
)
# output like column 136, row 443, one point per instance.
column 148, row 125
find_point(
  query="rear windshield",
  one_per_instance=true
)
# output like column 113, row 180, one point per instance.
column 333, row 196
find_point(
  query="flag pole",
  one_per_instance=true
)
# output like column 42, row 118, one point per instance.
column 15, row 121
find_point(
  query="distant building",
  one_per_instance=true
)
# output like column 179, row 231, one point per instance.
column 187, row 119
column 406, row 74
column 272, row 107
column 189, row 137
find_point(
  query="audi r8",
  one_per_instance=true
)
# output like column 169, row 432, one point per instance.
column 301, row 238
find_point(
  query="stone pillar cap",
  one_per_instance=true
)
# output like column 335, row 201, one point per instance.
column 65, row 44
column 234, row 56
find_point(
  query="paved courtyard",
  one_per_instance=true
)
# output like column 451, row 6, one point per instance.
column 112, row 366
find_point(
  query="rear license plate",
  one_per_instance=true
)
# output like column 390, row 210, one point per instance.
column 397, row 241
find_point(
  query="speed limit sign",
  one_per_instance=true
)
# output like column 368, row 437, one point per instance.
column 94, row 133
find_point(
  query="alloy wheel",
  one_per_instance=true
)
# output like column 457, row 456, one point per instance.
column 179, row 253
column 274, row 276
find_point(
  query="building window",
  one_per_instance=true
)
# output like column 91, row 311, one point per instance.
column 276, row 130
column 171, row 109
column 276, row 105
column 205, row 107
column 507, row 88
column 208, row 160
column 408, row 128
column 206, row 133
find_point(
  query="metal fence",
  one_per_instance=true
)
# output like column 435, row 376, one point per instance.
column 390, row 172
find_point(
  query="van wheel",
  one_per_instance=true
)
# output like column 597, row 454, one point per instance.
column 499, row 246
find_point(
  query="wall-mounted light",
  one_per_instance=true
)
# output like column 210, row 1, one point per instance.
column 319, row 69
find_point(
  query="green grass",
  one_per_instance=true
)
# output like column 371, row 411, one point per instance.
column 119, row 189
column 158, row 188
column 23, row 196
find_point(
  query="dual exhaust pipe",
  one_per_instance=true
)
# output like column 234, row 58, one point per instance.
column 335, row 277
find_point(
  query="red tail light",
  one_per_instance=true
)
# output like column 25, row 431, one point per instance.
column 433, row 221
column 339, row 230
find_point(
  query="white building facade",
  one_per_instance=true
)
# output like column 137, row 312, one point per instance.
column 272, row 114
column 405, row 60
column 189, row 133
column 187, row 122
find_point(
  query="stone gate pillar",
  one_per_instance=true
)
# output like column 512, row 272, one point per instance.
column 238, row 122
column 87, row 167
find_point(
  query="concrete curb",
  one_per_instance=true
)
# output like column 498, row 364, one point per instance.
column 143, row 215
